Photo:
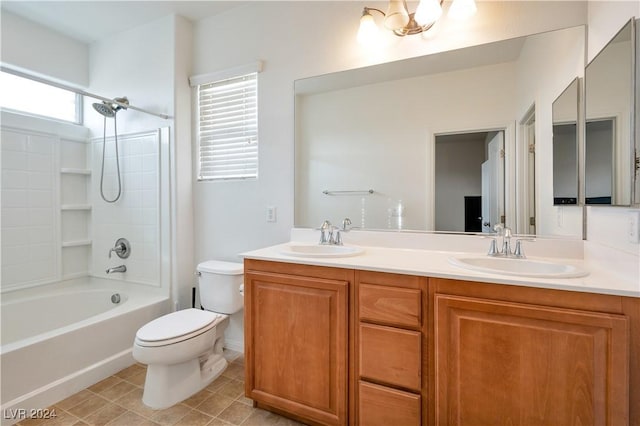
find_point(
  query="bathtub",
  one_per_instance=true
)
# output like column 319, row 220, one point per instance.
column 60, row 338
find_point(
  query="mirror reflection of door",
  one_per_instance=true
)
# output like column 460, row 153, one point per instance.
column 469, row 181
column 600, row 140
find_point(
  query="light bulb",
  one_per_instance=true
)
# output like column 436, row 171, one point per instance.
column 368, row 31
column 428, row 11
column 462, row 9
column 397, row 16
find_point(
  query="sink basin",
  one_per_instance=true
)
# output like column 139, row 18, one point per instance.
column 316, row 250
column 519, row 267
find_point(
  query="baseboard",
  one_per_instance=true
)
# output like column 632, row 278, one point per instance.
column 45, row 396
column 234, row 345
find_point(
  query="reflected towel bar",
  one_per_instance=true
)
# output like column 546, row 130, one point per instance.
column 355, row 192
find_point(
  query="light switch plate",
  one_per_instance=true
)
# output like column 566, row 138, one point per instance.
column 634, row 227
column 271, row 214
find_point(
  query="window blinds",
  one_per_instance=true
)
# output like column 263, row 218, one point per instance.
column 228, row 128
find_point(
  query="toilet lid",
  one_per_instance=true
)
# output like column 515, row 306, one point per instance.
column 176, row 324
column 221, row 267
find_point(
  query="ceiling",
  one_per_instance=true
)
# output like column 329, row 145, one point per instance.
column 89, row 21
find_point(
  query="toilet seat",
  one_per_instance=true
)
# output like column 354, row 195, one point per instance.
column 177, row 327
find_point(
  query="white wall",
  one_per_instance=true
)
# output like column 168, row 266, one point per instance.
column 30, row 46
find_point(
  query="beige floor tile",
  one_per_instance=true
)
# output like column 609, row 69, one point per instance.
column 130, row 419
column 194, row 418
column 105, row 384
column 105, row 415
column 245, row 400
column 58, row 418
column 133, row 402
column 219, row 422
column 218, row 383
column 233, row 389
column 197, row 399
column 130, row 371
column 88, row 406
column 74, row 399
column 171, row 415
column 80, row 423
column 117, row 391
column 138, row 378
column 234, row 371
column 239, row 359
column 261, row 417
column 214, row 405
column 236, row 413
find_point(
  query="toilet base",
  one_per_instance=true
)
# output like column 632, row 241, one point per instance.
column 167, row 385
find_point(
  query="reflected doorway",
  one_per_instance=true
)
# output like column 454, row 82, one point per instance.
column 469, row 181
column 599, row 161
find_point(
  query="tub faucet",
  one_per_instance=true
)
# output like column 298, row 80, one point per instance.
column 121, row 268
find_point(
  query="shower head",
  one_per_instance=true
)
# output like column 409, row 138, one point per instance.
column 109, row 109
column 105, row 109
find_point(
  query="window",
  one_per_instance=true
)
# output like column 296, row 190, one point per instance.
column 228, row 128
column 32, row 97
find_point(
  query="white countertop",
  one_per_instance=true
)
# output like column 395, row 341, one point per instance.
column 605, row 277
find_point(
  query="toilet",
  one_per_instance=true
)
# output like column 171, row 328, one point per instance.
column 183, row 349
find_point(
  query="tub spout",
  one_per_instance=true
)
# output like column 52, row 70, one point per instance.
column 121, row 268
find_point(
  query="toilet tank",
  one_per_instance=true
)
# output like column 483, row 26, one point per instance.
column 219, row 285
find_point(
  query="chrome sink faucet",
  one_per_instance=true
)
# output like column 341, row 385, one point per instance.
column 326, row 233
column 504, row 232
column 505, row 246
column 331, row 235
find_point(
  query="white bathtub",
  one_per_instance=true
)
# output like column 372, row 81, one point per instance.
column 58, row 339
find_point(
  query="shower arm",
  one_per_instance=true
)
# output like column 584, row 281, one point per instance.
column 78, row 91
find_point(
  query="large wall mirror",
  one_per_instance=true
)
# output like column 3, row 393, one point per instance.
column 565, row 146
column 609, row 127
column 429, row 143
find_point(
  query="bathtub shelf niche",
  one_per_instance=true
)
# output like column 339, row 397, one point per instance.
column 75, row 209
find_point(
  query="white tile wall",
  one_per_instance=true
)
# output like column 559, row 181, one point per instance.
column 135, row 215
column 29, row 208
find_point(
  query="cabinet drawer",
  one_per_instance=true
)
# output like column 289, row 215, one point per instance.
column 389, row 305
column 380, row 405
column 390, row 355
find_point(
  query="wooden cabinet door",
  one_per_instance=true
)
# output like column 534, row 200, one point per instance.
column 296, row 345
column 502, row 363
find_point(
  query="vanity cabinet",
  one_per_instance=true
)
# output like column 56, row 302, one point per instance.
column 508, row 358
column 391, row 311
column 296, row 339
column 338, row 346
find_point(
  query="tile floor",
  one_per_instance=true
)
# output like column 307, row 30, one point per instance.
column 117, row 401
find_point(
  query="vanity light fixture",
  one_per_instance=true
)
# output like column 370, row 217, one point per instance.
column 402, row 23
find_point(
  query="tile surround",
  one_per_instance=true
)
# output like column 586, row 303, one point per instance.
column 29, row 208
column 117, row 401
